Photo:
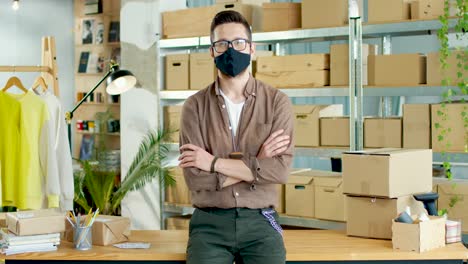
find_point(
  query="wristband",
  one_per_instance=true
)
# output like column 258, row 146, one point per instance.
column 212, row 170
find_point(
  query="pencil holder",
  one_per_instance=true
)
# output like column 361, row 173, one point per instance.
column 82, row 237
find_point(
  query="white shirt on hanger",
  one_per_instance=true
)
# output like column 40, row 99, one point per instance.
column 59, row 135
column 234, row 111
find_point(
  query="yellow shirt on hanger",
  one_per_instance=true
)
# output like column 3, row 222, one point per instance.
column 32, row 178
column 10, row 153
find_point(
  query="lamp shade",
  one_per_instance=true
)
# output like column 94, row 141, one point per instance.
column 120, row 81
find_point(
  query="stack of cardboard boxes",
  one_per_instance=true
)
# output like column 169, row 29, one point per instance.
column 379, row 185
column 307, row 124
column 294, row 71
column 315, row 194
column 193, row 71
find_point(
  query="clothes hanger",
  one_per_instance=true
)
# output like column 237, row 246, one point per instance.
column 14, row 81
column 40, row 82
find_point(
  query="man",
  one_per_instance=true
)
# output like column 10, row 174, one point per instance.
column 236, row 146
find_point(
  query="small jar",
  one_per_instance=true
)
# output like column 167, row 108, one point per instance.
column 79, row 125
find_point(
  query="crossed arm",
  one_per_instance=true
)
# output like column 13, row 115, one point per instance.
column 236, row 170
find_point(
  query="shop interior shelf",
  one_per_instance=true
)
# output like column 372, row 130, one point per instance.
column 418, row 27
column 327, row 91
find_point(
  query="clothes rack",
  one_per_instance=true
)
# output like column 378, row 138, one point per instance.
column 48, row 67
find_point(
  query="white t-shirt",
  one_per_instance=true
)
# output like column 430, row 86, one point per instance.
column 234, row 111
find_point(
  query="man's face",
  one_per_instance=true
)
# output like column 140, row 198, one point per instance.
column 230, row 32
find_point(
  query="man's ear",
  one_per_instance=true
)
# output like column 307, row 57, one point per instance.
column 211, row 52
column 252, row 49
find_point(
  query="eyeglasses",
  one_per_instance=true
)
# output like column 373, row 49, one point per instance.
column 221, row 46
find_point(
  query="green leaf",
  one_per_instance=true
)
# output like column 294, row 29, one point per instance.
column 442, row 212
column 146, row 167
column 440, row 138
column 437, row 125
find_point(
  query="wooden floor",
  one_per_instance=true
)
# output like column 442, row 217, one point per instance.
column 301, row 245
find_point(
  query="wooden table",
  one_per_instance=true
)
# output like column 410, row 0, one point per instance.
column 303, row 246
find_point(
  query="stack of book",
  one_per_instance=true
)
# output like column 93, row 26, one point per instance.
column 12, row 244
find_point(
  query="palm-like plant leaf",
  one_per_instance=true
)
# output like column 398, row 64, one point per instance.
column 146, row 166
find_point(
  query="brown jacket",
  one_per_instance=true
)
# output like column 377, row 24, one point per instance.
column 205, row 123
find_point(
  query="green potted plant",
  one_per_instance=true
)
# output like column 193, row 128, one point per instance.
column 100, row 186
column 461, row 83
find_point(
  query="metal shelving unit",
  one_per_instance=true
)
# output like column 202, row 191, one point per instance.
column 384, row 31
column 320, row 34
column 328, row 91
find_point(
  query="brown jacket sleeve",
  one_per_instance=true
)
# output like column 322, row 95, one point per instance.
column 190, row 133
column 276, row 169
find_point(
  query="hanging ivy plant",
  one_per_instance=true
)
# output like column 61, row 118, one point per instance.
column 460, row 84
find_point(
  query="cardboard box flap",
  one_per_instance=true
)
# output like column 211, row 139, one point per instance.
column 453, row 187
column 329, row 181
column 325, row 110
column 300, row 180
column 380, row 152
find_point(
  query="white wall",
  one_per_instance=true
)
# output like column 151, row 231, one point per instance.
column 20, row 40
column 140, row 21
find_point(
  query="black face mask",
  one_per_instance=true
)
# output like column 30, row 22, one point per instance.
column 232, row 62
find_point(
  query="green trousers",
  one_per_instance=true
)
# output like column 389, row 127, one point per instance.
column 246, row 236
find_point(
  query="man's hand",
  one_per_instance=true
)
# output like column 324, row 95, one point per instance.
column 193, row 156
column 274, row 145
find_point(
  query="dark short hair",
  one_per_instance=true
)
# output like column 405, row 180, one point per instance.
column 230, row 16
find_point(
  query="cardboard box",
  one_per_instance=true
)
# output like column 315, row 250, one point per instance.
column 457, row 135
column 177, row 72
column 329, row 198
column 339, row 63
column 419, row 237
column 306, row 122
column 178, row 222
column 427, row 9
column 258, row 53
column 417, row 126
column 108, row 230
column 191, row 22
column 372, row 217
column 281, row 198
column 297, row 79
column 35, row 222
column 435, row 75
column 257, row 13
column 388, row 11
column 330, row 13
column 383, row 132
column 250, row 2
column 178, row 194
column 203, row 71
column 300, row 194
column 244, row 9
column 454, row 188
column 172, row 115
column 3, row 220
column 293, row 63
column 387, row 172
column 334, row 131
column 290, row 14
column 292, row 71
column 396, row 69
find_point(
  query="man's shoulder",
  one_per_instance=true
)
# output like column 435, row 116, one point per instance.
column 200, row 96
